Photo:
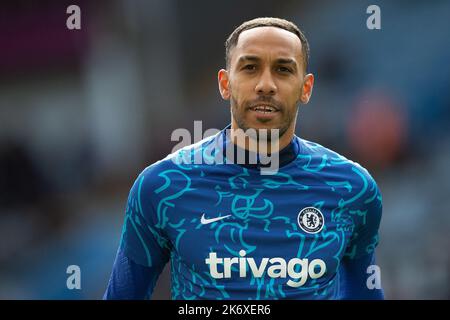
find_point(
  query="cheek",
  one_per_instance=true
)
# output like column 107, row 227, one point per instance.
column 239, row 91
column 294, row 94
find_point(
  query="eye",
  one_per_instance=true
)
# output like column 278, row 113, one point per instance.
column 249, row 67
column 284, row 70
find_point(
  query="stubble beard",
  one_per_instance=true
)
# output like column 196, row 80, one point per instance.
column 238, row 115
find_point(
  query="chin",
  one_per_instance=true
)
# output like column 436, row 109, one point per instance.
column 264, row 126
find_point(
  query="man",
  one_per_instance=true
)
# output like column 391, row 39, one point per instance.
column 306, row 230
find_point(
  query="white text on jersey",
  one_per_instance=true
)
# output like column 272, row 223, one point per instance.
column 278, row 268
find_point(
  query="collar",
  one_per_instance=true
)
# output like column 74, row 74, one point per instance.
column 285, row 156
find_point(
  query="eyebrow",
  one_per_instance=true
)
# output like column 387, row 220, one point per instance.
column 243, row 59
column 250, row 58
column 286, row 61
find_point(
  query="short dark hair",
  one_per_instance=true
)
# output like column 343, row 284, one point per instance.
column 266, row 22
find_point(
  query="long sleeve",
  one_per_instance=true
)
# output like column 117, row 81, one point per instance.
column 359, row 275
column 354, row 278
column 144, row 250
column 131, row 281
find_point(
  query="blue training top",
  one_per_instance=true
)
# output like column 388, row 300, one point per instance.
column 308, row 231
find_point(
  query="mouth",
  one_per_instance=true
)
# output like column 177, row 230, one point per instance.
column 264, row 109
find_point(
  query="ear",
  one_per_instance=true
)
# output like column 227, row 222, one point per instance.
column 307, row 87
column 224, row 84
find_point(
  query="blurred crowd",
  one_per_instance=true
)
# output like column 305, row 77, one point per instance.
column 82, row 112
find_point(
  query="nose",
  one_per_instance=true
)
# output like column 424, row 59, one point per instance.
column 266, row 85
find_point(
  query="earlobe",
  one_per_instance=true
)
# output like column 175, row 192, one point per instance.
column 223, row 81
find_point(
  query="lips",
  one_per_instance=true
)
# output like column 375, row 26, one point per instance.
column 264, row 108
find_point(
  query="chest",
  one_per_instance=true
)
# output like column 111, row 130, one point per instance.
column 275, row 218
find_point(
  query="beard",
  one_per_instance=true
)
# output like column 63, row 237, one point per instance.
column 288, row 117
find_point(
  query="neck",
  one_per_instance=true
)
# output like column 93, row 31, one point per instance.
column 281, row 155
column 254, row 144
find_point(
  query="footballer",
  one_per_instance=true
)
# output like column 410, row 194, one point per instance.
column 306, row 230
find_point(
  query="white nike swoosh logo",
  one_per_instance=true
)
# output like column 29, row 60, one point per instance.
column 203, row 220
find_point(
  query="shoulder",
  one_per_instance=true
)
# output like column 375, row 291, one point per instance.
column 179, row 162
column 338, row 170
column 334, row 160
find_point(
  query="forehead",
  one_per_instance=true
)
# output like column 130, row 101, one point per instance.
column 270, row 41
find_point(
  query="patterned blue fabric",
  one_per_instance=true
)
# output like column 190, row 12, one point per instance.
column 232, row 233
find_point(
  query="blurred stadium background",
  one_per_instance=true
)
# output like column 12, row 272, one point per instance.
column 83, row 112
